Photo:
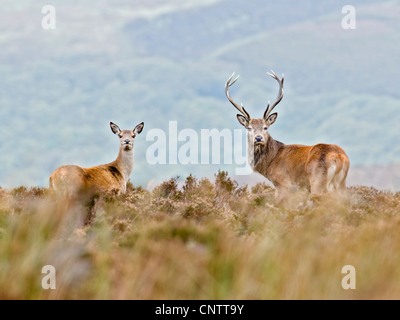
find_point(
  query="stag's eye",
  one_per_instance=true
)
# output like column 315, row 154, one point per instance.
column 249, row 128
column 120, row 136
column 133, row 136
column 265, row 128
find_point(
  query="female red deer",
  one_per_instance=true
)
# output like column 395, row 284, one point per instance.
column 113, row 176
column 319, row 168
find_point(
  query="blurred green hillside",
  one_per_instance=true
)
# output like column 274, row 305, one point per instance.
column 162, row 60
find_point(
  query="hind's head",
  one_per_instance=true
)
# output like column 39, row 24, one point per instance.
column 126, row 137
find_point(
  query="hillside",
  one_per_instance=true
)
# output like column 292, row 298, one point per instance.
column 381, row 176
column 158, row 61
column 206, row 240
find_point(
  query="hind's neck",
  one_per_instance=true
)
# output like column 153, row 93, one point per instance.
column 124, row 162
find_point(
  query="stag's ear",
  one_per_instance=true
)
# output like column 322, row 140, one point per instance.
column 138, row 129
column 243, row 120
column 114, row 128
column 272, row 118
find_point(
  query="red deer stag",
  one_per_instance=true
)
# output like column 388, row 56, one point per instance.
column 319, row 168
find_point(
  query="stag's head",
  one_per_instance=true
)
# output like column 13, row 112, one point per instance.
column 126, row 137
column 257, row 129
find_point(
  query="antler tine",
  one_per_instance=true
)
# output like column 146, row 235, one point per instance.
column 273, row 75
column 228, row 84
column 266, row 113
column 279, row 96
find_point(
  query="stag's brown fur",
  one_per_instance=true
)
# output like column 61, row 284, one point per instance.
column 319, row 168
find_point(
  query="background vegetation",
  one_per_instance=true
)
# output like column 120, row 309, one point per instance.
column 206, row 240
column 162, row 60
column 211, row 237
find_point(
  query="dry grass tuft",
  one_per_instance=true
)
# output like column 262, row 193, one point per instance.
column 206, row 240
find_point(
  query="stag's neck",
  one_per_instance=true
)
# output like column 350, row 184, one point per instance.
column 124, row 162
column 261, row 157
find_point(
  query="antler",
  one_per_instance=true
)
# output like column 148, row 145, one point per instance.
column 228, row 84
column 280, row 94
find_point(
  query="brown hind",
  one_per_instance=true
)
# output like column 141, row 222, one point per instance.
column 73, row 180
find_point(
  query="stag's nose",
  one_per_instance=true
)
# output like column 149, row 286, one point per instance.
column 258, row 138
column 127, row 141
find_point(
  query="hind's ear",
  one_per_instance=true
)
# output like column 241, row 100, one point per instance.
column 138, row 129
column 114, row 128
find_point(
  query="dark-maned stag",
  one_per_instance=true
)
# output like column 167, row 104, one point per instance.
column 319, row 168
